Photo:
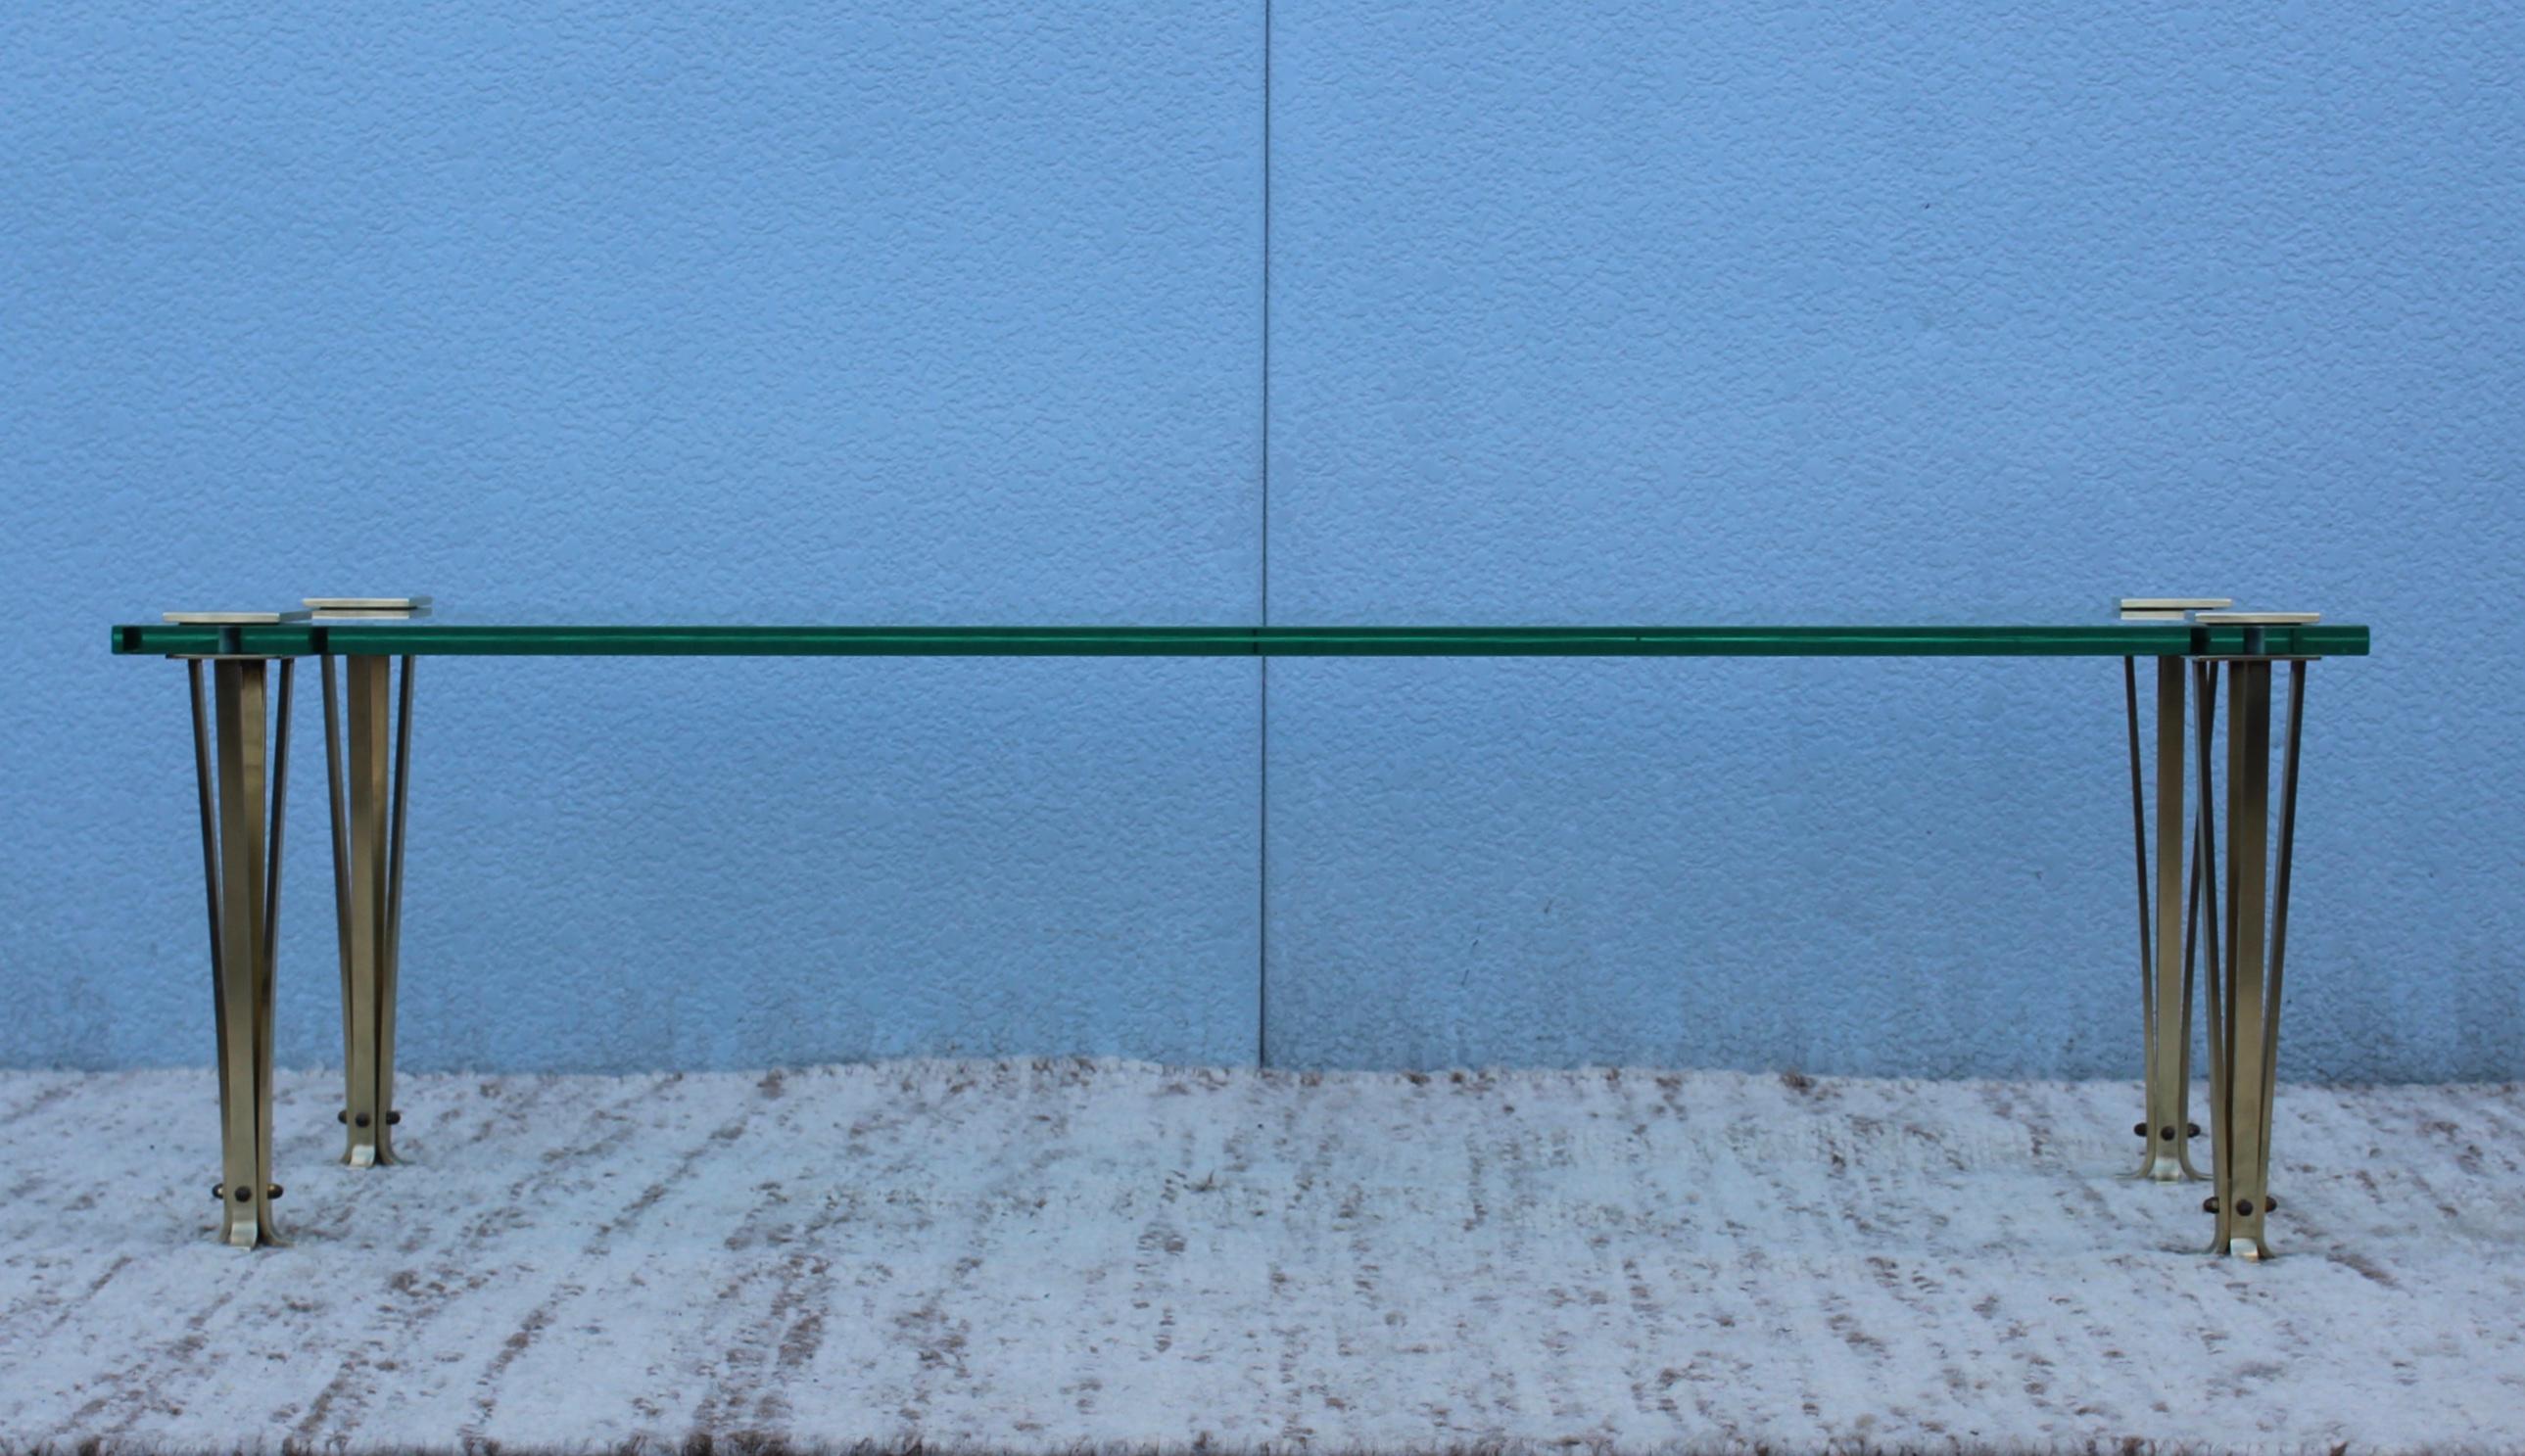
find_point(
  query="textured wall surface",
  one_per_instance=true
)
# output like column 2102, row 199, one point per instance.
column 1575, row 312
column 903, row 312
column 1643, row 312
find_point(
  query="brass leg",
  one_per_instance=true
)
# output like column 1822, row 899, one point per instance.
column 2205, row 929
column 2279, row 917
column 2165, row 971
column 241, row 843
column 2250, row 996
column 367, row 890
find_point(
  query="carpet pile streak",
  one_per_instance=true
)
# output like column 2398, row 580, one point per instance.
column 1040, row 1256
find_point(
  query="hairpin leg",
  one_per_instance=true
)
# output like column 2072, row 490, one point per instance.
column 242, row 843
column 372, row 775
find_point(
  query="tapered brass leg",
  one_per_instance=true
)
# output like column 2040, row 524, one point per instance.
column 2249, row 997
column 2164, row 948
column 365, row 787
column 2279, row 916
column 2205, row 928
column 242, row 845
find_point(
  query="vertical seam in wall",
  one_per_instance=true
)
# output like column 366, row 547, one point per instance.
column 1263, row 661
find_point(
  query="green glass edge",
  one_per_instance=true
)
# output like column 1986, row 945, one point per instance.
column 414, row 638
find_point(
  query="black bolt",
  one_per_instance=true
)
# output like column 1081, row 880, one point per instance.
column 342, row 1116
column 2270, row 1205
column 2243, row 1208
column 362, row 1119
column 2192, row 1130
column 276, row 1191
column 392, row 1118
column 2208, row 1205
column 2140, row 1128
column 2167, row 1132
column 219, row 1191
column 244, row 1194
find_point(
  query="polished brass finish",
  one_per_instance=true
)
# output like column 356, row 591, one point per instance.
column 234, row 618
column 2259, row 618
column 341, row 863
column 2279, row 926
column 382, row 604
column 370, row 609
column 2249, row 765
column 391, row 962
column 2245, row 1000
column 2165, row 972
column 366, row 781
column 241, row 857
column 2139, row 849
column 2205, row 931
column 2166, row 609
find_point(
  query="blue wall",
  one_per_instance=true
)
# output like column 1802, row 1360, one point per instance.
column 1575, row 312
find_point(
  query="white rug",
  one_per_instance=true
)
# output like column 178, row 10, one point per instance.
column 1043, row 1255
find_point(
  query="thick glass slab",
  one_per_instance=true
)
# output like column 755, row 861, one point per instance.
column 440, row 637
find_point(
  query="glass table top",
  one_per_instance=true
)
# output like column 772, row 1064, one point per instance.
column 441, row 635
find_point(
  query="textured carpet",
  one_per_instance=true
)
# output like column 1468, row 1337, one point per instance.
column 1043, row 1255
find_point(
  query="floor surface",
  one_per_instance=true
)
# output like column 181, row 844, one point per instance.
column 1034, row 1257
